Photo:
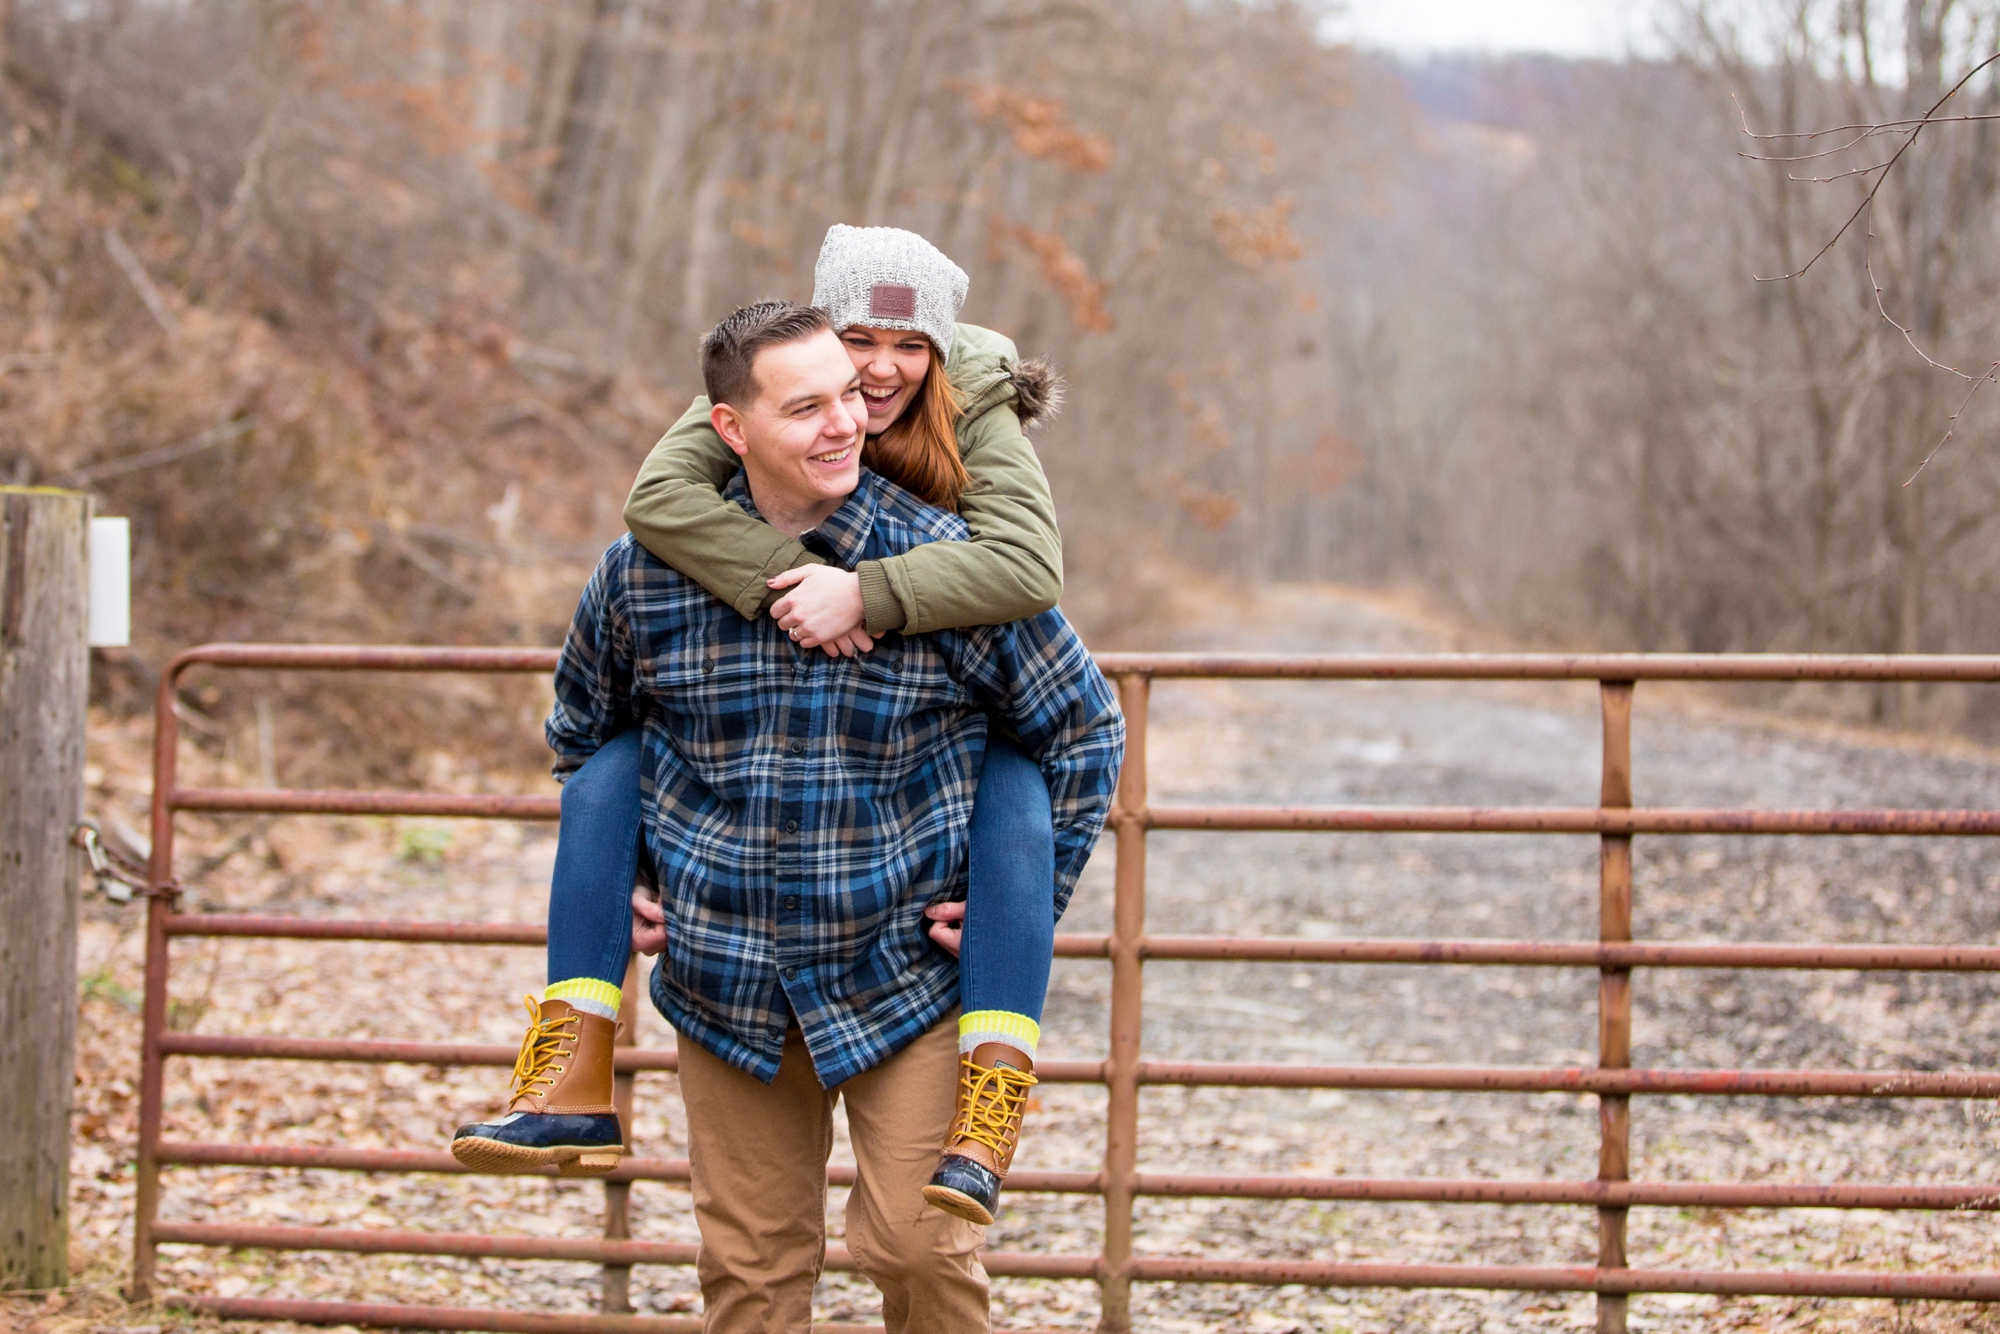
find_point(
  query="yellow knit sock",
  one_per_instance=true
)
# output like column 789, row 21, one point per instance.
column 1004, row 1026
column 587, row 994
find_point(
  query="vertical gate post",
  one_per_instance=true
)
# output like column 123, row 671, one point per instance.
column 614, row 1295
column 1128, row 926
column 44, row 699
column 160, row 903
column 1614, row 993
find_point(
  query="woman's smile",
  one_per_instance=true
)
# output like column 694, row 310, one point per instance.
column 885, row 403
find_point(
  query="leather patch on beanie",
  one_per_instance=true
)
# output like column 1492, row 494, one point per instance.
column 892, row 301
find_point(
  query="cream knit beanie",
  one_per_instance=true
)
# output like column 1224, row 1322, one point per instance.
column 887, row 278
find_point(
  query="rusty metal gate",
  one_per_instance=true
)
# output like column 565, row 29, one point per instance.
column 1121, row 1262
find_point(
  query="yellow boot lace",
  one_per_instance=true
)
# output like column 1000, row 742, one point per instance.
column 535, row 1069
column 991, row 1102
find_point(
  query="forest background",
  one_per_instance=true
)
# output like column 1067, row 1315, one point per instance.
column 365, row 311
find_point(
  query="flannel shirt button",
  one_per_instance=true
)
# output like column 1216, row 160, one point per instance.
column 791, row 900
column 790, row 973
column 791, row 826
column 798, row 748
column 708, row 664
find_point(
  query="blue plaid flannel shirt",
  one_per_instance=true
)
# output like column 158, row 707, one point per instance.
column 802, row 811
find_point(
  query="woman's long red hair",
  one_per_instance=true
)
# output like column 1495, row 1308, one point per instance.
column 919, row 451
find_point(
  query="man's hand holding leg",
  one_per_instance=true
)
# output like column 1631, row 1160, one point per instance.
column 947, row 925
column 649, row 921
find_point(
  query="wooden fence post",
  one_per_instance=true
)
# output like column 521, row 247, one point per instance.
column 44, row 692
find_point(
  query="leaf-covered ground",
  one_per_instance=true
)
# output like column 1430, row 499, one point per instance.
column 1240, row 743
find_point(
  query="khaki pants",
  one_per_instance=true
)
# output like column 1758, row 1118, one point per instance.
column 758, row 1154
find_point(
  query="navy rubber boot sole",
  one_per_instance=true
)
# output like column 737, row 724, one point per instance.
column 964, row 1189
column 577, row 1146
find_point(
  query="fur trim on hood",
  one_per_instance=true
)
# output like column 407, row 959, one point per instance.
column 1039, row 389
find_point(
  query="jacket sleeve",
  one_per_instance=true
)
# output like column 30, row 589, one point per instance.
column 1012, row 567
column 677, row 512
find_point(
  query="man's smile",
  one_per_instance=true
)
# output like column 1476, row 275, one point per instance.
column 837, row 456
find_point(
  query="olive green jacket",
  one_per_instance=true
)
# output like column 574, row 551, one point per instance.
column 1012, row 567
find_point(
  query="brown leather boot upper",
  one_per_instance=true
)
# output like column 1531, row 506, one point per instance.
column 993, row 1084
column 565, row 1063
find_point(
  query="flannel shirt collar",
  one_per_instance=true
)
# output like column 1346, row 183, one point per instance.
column 842, row 536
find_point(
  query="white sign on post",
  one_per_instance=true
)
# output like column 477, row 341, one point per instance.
column 110, row 583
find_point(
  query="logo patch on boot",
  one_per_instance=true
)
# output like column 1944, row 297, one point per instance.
column 892, row 301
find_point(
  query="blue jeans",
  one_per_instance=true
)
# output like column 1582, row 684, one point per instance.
column 1010, row 909
column 597, row 858
column 1010, row 923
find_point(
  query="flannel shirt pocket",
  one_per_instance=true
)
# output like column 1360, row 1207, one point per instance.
column 709, row 689
column 902, row 702
column 908, row 667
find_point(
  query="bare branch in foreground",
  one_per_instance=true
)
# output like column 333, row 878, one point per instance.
column 1913, row 131
column 1862, row 132
column 1991, row 375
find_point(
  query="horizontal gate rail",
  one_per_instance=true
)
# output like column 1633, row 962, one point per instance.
column 1125, row 1071
column 1571, row 1079
column 335, row 928
column 1747, row 667
column 1215, row 1074
column 1437, row 1190
column 595, row 1250
column 375, row 1052
column 1621, row 1194
column 1245, row 949
column 1240, row 819
column 1526, row 1278
column 391, row 1315
column 1555, row 820
column 443, row 933
column 443, row 1164
column 1237, row 819
column 281, row 801
column 1003, row 1264
column 1577, row 954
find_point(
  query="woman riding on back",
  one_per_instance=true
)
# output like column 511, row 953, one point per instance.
column 945, row 404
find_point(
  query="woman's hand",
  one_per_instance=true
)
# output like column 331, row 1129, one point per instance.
column 649, row 923
column 823, row 610
column 947, row 925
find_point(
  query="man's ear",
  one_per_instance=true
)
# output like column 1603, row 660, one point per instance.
column 728, row 423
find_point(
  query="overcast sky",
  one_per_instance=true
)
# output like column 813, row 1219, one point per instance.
column 1563, row 27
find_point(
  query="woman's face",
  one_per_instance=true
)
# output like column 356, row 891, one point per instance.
column 892, row 364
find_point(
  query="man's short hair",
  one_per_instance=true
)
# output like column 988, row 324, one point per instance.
column 729, row 350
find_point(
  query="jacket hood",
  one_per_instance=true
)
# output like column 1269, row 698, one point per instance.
column 988, row 371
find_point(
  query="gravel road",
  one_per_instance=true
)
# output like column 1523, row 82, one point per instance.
column 1239, row 743
column 1458, row 744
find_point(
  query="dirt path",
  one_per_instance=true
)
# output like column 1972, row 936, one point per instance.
column 1241, row 743
column 1456, row 744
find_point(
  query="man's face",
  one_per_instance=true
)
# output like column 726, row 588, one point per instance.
column 801, row 439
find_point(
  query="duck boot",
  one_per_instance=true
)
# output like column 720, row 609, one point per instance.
column 993, row 1084
column 561, row 1110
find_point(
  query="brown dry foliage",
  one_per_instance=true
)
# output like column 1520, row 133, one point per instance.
column 411, row 291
